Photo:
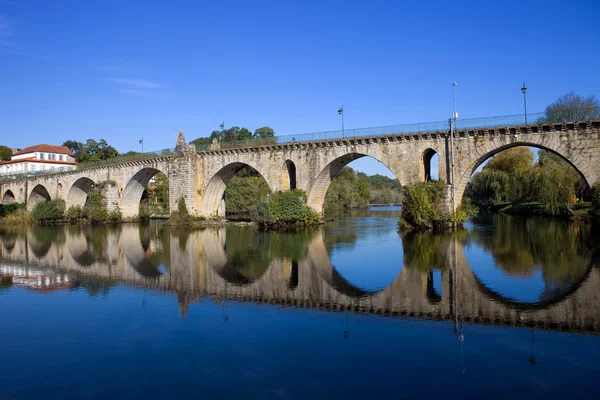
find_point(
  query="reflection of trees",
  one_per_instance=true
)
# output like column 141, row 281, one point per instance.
column 250, row 251
column 43, row 237
column 426, row 251
column 561, row 249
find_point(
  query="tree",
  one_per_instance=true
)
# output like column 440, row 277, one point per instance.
column 264, row 132
column 572, row 107
column 74, row 146
column 244, row 134
column 91, row 150
column 5, row 153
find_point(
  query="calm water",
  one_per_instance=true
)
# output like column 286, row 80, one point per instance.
column 506, row 308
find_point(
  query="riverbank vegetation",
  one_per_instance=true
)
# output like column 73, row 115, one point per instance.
column 285, row 210
column 349, row 189
column 512, row 182
column 423, row 209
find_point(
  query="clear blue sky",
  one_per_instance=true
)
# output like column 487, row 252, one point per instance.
column 123, row 69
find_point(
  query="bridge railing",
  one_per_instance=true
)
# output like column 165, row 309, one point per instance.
column 127, row 158
column 387, row 130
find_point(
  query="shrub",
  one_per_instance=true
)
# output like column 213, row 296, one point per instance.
column 7, row 209
column 95, row 207
column 74, row 213
column 262, row 214
column 19, row 217
column 423, row 209
column 48, row 211
column 181, row 207
column 283, row 209
column 113, row 216
column 181, row 216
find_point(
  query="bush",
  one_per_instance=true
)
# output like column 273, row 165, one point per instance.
column 95, row 207
column 181, row 207
column 423, row 209
column 181, row 216
column 19, row 217
column 74, row 213
column 113, row 216
column 7, row 209
column 284, row 209
column 48, row 211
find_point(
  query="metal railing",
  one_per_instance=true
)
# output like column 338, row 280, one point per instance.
column 20, row 175
column 388, row 130
column 127, row 158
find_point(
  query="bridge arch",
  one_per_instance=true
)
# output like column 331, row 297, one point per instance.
column 288, row 175
column 318, row 190
column 213, row 194
column 79, row 191
column 38, row 194
column 467, row 172
column 428, row 165
column 134, row 188
column 8, row 197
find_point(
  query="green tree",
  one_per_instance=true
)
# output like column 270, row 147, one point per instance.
column 74, row 146
column 264, row 133
column 91, row 150
column 5, row 153
column 572, row 107
column 244, row 134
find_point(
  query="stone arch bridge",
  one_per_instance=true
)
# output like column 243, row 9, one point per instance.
column 200, row 178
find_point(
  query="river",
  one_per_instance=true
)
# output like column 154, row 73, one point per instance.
column 509, row 307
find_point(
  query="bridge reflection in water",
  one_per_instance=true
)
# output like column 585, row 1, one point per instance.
column 285, row 269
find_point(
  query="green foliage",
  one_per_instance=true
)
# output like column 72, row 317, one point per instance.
column 157, row 201
column 181, row 207
column 74, row 213
column 91, row 150
column 261, row 213
column 95, row 207
column 48, row 211
column 571, row 107
column 5, row 153
column 350, row 189
column 7, row 209
column 285, row 209
column 244, row 192
column 18, row 217
column 423, row 208
column 347, row 190
column 512, row 177
column 181, row 216
column 113, row 216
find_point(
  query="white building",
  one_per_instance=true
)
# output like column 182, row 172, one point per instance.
column 39, row 159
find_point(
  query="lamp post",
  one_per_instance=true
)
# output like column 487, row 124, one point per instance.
column 452, row 131
column 341, row 112
column 523, row 90
column 142, row 143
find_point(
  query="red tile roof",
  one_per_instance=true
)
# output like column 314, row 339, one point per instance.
column 33, row 159
column 45, row 148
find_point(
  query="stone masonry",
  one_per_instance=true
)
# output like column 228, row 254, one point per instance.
column 200, row 178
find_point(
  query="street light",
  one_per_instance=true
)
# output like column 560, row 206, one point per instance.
column 341, row 112
column 142, row 143
column 523, row 90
